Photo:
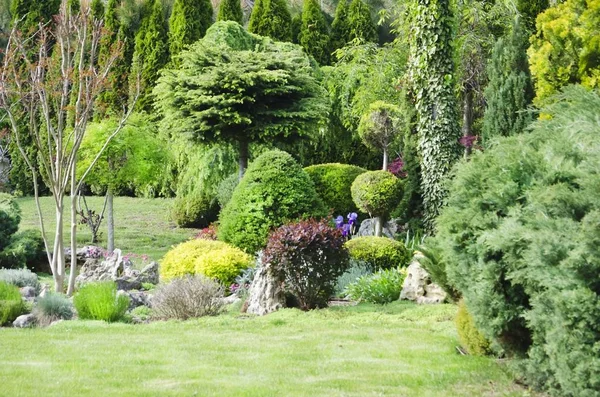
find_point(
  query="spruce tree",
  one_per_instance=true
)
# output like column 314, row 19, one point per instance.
column 314, row 36
column 256, row 16
column 430, row 74
column 340, row 32
column 360, row 23
column 510, row 89
column 188, row 23
column 271, row 18
column 231, row 10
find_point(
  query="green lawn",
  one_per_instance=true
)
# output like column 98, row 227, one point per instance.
column 397, row 350
column 142, row 226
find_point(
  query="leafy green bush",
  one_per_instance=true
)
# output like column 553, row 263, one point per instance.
column 26, row 248
column 194, row 210
column 274, row 190
column 311, row 256
column 20, row 278
column 381, row 287
column 356, row 270
column 470, row 337
column 188, row 297
column 378, row 252
column 99, row 301
column 376, row 192
column 10, row 216
column 520, row 236
column 11, row 303
column 214, row 259
column 226, row 188
column 52, row 307
column 332, row 183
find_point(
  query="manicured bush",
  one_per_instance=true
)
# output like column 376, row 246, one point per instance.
column 376, row 192
column 378, row 252
column 52, row 307
column 226, row 188
column 10, row 216
column 26, row 248
column 11, row 303
column 381, row 287
column 20, row 278
column 520, row 237
column 194, row 210
column 188, row 297
column 310, row 255
column 332, row 183
column 470, row 337
column 99, row 301
column 274, row 190
column 214, row 259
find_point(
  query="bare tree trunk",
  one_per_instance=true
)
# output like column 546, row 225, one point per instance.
column 467, row 127
column 73, row 270
column 378, row 226
column 243, row 162
column 58, row 253
column 385, row 159
column 110, row 221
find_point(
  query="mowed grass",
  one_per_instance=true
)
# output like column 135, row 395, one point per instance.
column 396, row 350
column 142, row 226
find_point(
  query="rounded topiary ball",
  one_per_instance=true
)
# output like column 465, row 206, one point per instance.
column 378, row 252
column 274, row 190
column 332, row 182
column 376, row 192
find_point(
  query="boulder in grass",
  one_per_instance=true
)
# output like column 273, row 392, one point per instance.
column 24, row 321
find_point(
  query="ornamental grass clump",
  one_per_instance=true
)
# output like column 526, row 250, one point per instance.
column 100, row 301
column 381, row 287
column 188, row 297
column 310, row 256
column 11, row 303
column 52, row 307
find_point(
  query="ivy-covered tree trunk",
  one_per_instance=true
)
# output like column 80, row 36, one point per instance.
column 431, row 70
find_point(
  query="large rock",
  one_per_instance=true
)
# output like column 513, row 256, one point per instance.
column 137, row 298
column 116, row 268
column 24, row 321
column 28, row 292
column 266, row 292
column 418, row 286
column 367, row 228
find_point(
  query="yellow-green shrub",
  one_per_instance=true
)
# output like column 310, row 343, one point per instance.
column 214, row 259
column 470, row 337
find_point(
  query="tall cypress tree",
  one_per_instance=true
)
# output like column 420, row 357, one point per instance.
column 231, row 10
column 188, row 23
column 360, row 23
column 296, row 28
column 271, row 18
column 430, row 74
column 340, row 32
column 97, row 8
column 314, row 36
column 256, row 16
column 510, row 89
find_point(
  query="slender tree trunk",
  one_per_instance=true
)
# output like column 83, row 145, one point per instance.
column 110, row 221
column 58, row 254
column 385, row 159
column 467, row 127
column 73, row 270
column 243, row 162
column 378, row 226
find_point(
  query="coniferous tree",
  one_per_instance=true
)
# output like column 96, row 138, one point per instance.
column 510, row 89
column 340, row 32
column 296, row 28
column 271, row 18
column 231, row 10
column 97, row 8
column 314, row 36
column 360, row 23
column 256, row 16
column 530, row 9
column 188, row 23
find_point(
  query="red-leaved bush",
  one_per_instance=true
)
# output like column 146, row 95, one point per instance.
column 310, row 256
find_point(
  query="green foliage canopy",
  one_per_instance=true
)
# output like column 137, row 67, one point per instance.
column 314, row 35
column 231, row 10
column 188, row 23
column 271, row 18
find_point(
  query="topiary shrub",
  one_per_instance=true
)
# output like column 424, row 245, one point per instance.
column 376, row 192
column 11, row 303
column 100, row 301
column 310, row 256
column 26, row 248
column 332, row 183
column 194, row 210
column 378, row 252
column 214, row 259
column 188, row 297
column 521, row 239
column 226, row 188
column 20, row 278
column 469, row 335
column 274, row 190
column 52, row 307
column 382, row 287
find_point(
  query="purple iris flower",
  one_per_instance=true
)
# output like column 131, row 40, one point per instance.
column 346, row 230
column 339, row 221
column 352, row 218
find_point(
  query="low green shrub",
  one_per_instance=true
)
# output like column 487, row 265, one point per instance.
column 20, row 278
column 430, row 258
column 381, row 287
column 469, row 335
column 99, row 301
column 10, row 217
column 188, row 297
column 226, row 188
column 214, row 259
column 143, row 313
column 11, row 303
column 194, row 210
column 52, row 307
column 376, row 192
column 332, row 183
column 357, row 269
column 378, row 252
column 26, row 248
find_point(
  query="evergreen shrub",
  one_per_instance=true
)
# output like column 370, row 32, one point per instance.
column 210, row 258
column 469, row 335
column 274, row 190
column 11, row 303
column 376, row 192
column 194, row 210
column 378, row 252
column 100, row 301
column 226, row 188
column 26, row 248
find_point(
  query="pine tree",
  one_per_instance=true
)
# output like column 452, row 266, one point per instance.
column 97, row 8
column 360, row 23
column 33, row 12
column 188, row 23
column 314, row 36
column 340, row 32
column 151, row 53
column 510, row 89
column 296, row 28
column 256, row 16
column 271, row 18
column 231, row 10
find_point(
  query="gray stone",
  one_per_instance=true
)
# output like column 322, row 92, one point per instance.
column 231, row 299
column 44, row 289
column 136, row 298
column 367, row 228
column 266, row 292
column 24, row 321
column 418, row 286
column 28, row 292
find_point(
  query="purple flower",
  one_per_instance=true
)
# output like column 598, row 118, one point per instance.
column 352, row 218
column 339, row 221
column 346, row 230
